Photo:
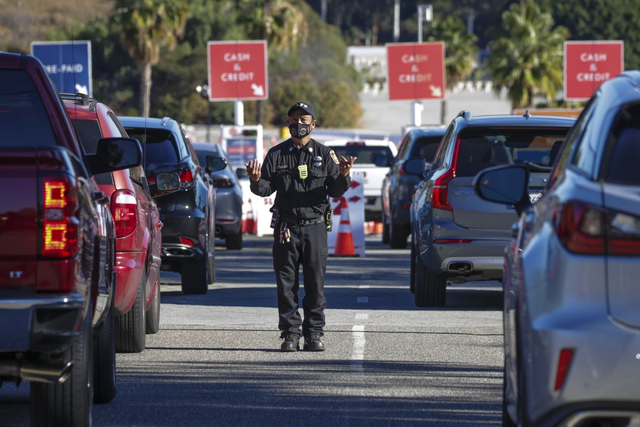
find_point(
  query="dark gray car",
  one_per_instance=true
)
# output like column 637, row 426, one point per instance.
column 398, row 186
column 228, row 195
column 457, row 236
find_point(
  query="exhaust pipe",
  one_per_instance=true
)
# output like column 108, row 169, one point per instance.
column 37, row 371
column 460, row 267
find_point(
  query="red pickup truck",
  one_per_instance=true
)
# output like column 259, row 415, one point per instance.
column 57, row 250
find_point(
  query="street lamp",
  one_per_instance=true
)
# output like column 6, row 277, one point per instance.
column 204, row 92
column 425, row 11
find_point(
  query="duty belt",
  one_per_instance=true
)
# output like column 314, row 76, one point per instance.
column 296, row 222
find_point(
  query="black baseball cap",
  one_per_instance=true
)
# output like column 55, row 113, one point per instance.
column 304, row 107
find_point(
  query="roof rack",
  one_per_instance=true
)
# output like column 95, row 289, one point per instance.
column 80, row 98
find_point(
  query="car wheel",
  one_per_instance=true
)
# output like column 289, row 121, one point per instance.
column 153, row 314
column 104, row 359
column 412, row 270
column 397, row 236
column 430, row 289
column 71, row 402
column 194, row 276
column 385, row 229
column 131, row 326
column 234, row 241
column 211, row 268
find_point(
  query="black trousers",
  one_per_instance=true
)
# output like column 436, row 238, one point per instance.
column 307, row 248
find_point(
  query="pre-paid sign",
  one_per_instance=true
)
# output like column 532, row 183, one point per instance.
column 415, row 71
column 588, row 64
column 237, row 70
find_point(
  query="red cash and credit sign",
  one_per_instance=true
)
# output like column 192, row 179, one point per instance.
column 237, row 70
column 415, row 71
column 588, row 64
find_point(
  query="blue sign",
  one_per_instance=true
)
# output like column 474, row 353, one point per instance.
column 67, row 63
column 241, row 150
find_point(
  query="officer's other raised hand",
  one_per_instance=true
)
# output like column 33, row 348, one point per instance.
column 254, row 168
column 345, row 165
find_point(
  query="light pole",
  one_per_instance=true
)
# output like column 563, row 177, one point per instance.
column 425, row 11
column 204, row 92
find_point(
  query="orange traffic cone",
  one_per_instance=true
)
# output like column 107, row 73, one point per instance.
column 251, row 223
column 344, row 240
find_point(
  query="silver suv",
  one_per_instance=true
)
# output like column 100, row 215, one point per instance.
column 456, row 236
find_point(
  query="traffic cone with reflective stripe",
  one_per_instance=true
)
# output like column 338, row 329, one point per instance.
column 344, row 241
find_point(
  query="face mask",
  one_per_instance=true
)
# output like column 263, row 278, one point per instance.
column 299, row 130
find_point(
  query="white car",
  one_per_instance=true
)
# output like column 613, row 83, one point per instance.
column 374, row 159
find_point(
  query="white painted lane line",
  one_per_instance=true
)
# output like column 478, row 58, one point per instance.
column 364, row 287
column 357, row 353
column 362, row 316
column 363, row 300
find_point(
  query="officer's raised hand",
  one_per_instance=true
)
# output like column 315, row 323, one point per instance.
column 345, row 165
column 254, row 169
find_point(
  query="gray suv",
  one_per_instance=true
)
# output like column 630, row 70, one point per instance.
column 456, row 236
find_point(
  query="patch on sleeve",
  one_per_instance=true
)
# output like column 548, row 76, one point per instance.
column 334, row 157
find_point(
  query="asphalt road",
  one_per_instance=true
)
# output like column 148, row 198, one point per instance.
column 216, row 359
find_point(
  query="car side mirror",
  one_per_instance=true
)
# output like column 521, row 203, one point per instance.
column 382, row 161
column 416, row 166
column 165, row 183
column 242, row 173
column 114, row 154
column 504, row 184
column 216, row 163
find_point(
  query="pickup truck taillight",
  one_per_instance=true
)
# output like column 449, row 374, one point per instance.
column 124, row 209
column 60, row 226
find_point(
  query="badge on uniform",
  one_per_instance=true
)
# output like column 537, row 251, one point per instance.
column 334, row 157
column 317, row 161
column 303, row 171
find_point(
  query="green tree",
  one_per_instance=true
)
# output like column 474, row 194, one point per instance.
column 527, row 60
column 460, row 53
column 146, row 26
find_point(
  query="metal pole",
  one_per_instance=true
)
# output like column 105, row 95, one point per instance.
column 396, row 21
column 239, row 113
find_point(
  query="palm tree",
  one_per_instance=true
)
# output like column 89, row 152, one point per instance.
column 146, row 27
column 460, row 53
column 527, row 61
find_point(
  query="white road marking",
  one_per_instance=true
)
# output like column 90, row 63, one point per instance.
column 362, row 316
column 357, row 353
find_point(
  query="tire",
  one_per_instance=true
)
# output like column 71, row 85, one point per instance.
column 153, row 314
column 412, row 270
column 506, row 419
column 397, row 236
column 194, row 276
column 211, row 269
column 385, row 230
column 131, row 326
column 430, row 289
column 68, row 404
column 234, row 241
column 104, row 360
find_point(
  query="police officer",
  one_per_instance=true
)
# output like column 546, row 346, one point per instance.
column 304, row 173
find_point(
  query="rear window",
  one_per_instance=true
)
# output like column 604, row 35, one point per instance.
column 425, row 147
column 23, row 117
column 483, row 148
column 622, row 153
column 364, row 153
column 159, row 145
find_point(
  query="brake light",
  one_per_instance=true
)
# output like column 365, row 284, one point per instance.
column 186, row 241
column 356, row 143
column 587, row 230
column 59, row 225
column 124, row 209
column 186, row 176
column 223, row 183
column 401, row 170
column 564, row 361
column 439, row 199
column 151, row 180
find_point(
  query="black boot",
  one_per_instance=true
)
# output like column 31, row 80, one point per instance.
column 291, row 343
column 313, row 343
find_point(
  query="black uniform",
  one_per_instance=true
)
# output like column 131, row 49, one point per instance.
column 304, row 179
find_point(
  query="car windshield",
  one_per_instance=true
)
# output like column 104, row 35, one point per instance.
column 485, row 147
column 365, row 153
column 23, row 118
column 159, row 145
